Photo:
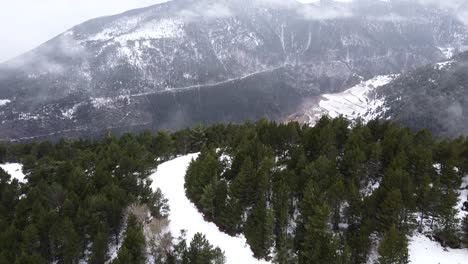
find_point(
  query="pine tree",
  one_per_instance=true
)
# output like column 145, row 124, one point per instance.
column 132, row 250
column 448, row 176
column 354, row 157
column 297, row 180
column 201, row 252
column 162, row 145
column 208, row 197
column 318, row 244
column 232, row 216
column 31, row 239
column 201, row 172
column 69, row 242
column 389, row 212
column 242, row 187
column 322, row 172
column 180, row 249
column 29, row 259
column 447, row 231
column 394, row 248
column 99, row 249
column 281, row 209
column 424, row 200
column 336, row 196
column 259, row 229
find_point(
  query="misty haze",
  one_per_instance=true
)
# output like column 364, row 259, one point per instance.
column 234, row 131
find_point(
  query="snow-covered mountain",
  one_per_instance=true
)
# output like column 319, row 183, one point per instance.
column 434, row 97
column 187, row 61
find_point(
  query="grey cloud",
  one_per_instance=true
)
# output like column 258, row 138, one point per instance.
column 324, row 12
column 458, row 7
column 32, row 22
column 207, row 10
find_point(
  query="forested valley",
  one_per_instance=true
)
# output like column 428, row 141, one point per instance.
column 330, row 193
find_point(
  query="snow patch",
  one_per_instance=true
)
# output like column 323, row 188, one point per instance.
column 373, row 256
column 443, row 65
column 359, row 101
column 463, row 199
column 109, row 102
column 15, row 170
column 371, row 187
column 170, row 178
column 28, row 116
column 448, row 52
column 70, row 113
column 4, row 102
column 155, row 29
column 422, row 250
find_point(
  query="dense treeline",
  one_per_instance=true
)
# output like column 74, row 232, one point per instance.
column 327, row 194
column 74, row 203
column 299, row 194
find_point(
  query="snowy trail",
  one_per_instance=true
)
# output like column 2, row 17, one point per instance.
column 170, row 178
column 424, row 251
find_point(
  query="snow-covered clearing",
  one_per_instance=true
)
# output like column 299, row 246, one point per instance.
column 170, row 178
column 15, row 170
column 424, row 251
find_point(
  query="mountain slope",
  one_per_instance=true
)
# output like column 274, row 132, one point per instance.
column 122, row 72
column 433, row 97
column 358, row 102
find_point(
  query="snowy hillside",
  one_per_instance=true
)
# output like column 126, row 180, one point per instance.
column 359, row 101
column 170, row 178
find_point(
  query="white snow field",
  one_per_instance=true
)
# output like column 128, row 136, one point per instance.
column 357, row 102
column 424, row 251
column 170, row 178
column 15, row 170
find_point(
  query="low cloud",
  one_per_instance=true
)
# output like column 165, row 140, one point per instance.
column 207, row 10
column 324, row 11
column 458, row 7
column 28, row 23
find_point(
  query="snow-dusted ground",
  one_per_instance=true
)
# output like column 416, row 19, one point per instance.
column 463, row 199
column 356, row 102
column 424, row 251
column 170, row 178
column 4, row 102
column 443, row 65
column 15, row 170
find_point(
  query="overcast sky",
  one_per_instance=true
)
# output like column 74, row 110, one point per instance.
column 25, row 24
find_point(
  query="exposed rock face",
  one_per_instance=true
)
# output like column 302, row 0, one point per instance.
column 187, row 61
